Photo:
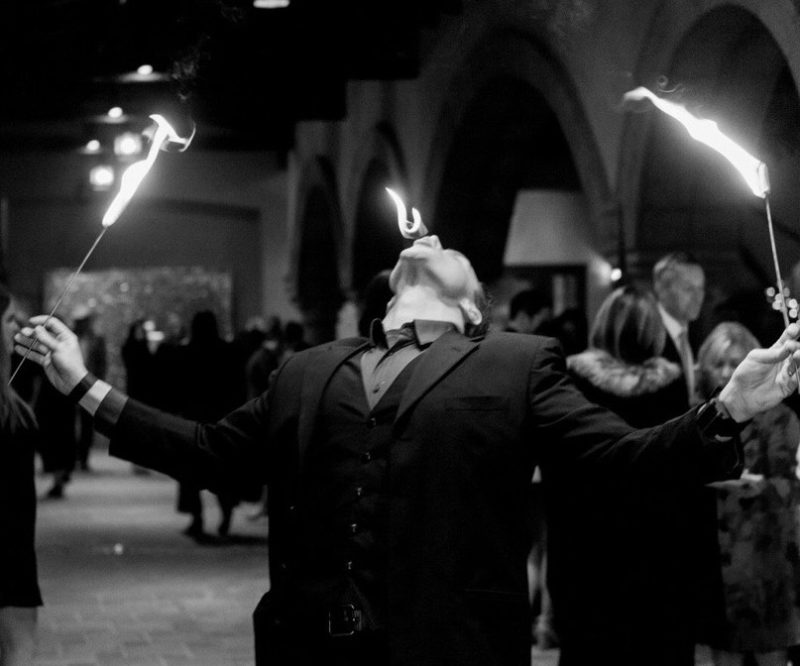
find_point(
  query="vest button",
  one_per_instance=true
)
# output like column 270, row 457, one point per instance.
column 372, row 423
column 353, row 528
column 366, row 457
column 348, row 565
column 359, row 491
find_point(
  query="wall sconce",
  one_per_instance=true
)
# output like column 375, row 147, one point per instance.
column 127, row 144
column 101, row 177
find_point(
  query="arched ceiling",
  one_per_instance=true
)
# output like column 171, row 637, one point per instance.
column 727, row 68
column 508, row 139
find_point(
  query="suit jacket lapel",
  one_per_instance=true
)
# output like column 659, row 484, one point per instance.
column 442, row 356
column 319, row 369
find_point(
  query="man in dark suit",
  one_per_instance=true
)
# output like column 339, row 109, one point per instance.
column 679, row 283
column 399, row 465
column 530, row 311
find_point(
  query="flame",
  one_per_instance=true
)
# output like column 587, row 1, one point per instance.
column 753, row 170
column 133, row 176
column 413, row 228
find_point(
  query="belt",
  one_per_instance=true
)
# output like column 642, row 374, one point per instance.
column 345, row 620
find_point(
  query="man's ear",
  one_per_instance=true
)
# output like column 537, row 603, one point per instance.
column 471, row 311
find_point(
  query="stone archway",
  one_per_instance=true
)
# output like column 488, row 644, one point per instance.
column 316, row 270
column 376, row 241
column 508, row 56
column 508, row 139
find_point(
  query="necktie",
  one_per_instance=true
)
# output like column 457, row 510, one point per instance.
column 687, row 360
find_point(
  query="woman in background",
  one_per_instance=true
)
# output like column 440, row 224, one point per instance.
column 639, row 591
column 757, row 522
column 19, row 586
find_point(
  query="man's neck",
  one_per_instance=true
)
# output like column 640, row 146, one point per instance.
column 421, row 302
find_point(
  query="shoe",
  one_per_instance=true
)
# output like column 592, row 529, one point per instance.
column 260, row 514
column 195, row 529
column 56, row 492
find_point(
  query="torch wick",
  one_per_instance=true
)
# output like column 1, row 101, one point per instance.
column 58, row 302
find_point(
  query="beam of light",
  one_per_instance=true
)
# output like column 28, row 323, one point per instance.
column 753, row 170
column 413, row 228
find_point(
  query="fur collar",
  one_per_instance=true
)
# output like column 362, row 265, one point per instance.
column 617, row 377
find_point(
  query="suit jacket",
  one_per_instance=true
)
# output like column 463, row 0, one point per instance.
column 476, row 417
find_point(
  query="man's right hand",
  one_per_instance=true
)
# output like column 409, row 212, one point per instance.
column 53, row 346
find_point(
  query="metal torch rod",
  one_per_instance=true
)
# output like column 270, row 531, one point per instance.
column 778, row 278
column 58, row 302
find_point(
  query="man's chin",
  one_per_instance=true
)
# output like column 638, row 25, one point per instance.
column 416, row 252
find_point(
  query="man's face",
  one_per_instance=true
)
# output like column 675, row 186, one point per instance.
column 681, row 291
column 427, row 263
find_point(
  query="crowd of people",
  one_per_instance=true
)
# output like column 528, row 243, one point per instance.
column 652, row 488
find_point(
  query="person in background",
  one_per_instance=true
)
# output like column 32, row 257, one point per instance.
column 93, row 346
column 373, row 301
column 169, row 365
column 58, row 445
column 757, row 522
column 679, row 283
column 138, row 362
column 571, row 329
column 139, row 369
column 293, row 340
column 19, row 586
column 265, row 363
column 633, row 601
column 245, row 343
column 530, row 311
column 397, row 513
column 264, row 360
column 207, row 392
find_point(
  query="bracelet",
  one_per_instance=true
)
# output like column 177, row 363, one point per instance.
column 82, row 387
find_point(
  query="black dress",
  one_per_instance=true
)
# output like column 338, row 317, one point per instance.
column 625, row 555
column 19, row 585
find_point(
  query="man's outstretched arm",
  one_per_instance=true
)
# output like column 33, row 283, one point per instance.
column 213, row 456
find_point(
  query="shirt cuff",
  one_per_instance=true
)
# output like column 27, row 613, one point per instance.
column 104, row 403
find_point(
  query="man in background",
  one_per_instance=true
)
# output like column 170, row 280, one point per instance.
column 93, row 348
column 679, row 283
column 530, row 311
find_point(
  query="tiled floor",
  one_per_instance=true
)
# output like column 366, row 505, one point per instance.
column 122, row 585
